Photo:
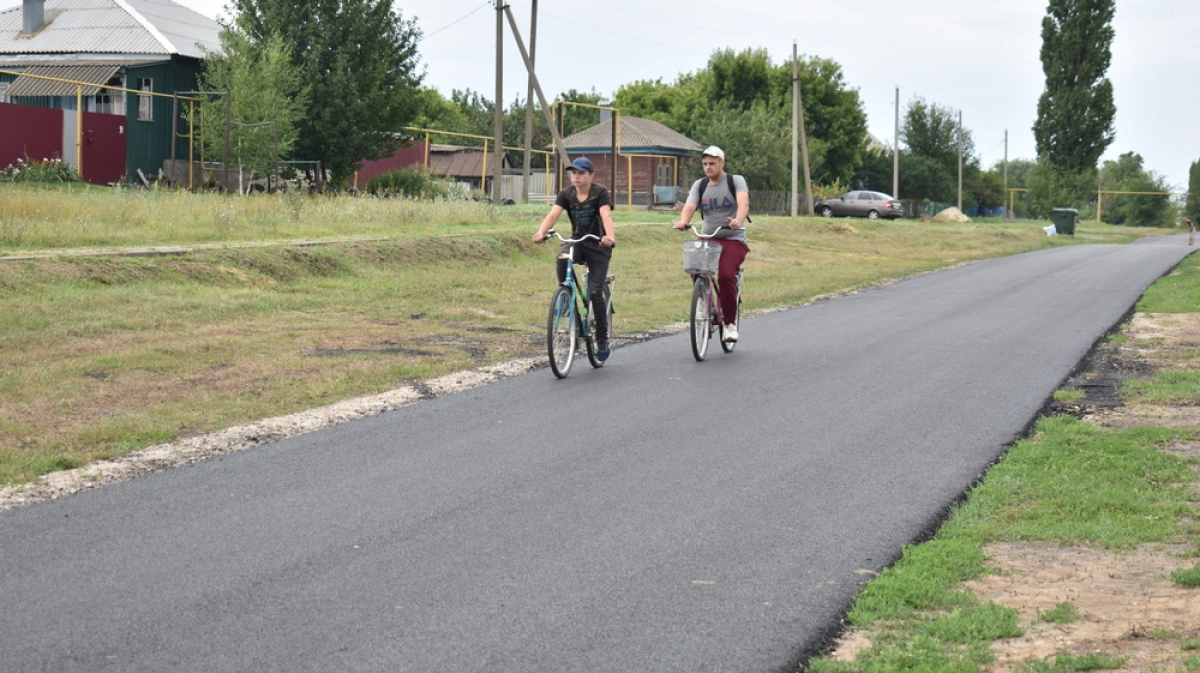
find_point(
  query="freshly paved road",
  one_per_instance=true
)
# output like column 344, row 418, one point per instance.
column 656, row 515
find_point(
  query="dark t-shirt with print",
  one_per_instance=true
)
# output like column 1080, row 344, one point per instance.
column 585, row 215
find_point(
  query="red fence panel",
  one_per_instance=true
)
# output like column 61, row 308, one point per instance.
column 103, row 148
column 413, row 155
column 33, row 132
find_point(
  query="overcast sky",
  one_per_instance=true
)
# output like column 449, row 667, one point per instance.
column 978, row 56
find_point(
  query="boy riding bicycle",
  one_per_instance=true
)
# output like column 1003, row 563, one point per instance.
column 590, row 210
column 723, row 201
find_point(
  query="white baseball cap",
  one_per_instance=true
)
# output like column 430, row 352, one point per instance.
column 714, row 151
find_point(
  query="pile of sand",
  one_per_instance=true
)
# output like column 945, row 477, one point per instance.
column 951, row 214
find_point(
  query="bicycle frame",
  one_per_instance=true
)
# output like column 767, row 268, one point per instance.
column 578, row 291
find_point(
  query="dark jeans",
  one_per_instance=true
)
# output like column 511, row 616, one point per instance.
column 597, row 264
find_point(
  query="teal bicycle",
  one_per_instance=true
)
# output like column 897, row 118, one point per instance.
column 570, row 316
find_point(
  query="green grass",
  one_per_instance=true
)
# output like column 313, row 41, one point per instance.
column 1069, row 395
column 1084, row 662
column 1063, row 613
column 1187, row 578
column 1175, row 387
column 1178, row 292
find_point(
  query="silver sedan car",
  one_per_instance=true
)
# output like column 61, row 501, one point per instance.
column 873, row 205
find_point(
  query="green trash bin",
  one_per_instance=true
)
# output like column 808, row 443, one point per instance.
column 1064, row 220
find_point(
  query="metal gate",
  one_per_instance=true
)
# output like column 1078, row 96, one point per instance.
column 103, row 148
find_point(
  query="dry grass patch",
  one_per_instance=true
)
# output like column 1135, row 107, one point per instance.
column 1127, row 604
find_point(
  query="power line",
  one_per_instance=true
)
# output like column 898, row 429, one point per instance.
column 464, row 16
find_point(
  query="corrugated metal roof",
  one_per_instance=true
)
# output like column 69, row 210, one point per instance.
column 636, row 134
column 462, row 163
column 32, row 86
column 112, row 27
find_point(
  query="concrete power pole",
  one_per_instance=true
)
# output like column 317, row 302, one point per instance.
column 498, row 148
column 1006, row 173
column 896, row 150
column 525, row 170
column 795, row 132
column 798, row 107
column 960, row 151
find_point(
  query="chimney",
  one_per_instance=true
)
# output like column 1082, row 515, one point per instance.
column 32, row 15
column 605, row 115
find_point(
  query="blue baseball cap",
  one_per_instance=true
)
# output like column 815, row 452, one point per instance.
column 582, row 164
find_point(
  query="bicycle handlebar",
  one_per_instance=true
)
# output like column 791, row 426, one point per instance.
column 700, row 235
column 570, row 240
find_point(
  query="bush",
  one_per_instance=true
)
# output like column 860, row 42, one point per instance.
column 412, row 182
column 46, row 170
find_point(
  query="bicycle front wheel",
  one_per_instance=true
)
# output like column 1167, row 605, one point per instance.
column 561, row 332
column 701, row 317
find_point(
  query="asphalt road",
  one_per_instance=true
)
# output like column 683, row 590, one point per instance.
column 656, row 515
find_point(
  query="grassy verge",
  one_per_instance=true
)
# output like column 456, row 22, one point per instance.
column 104, row 355
column 1070, row 483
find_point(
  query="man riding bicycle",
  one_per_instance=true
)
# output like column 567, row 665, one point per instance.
column 590, row 210
column 723, row 201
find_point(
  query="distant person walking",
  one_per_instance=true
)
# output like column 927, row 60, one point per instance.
column 1191, row 231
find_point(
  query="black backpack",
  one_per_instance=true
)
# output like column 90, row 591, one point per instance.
column 703, row 182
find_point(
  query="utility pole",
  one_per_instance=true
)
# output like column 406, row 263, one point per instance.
column 525, row 170
column 960, row 151
column 795, row 132
column 537, row 88
column 498, row 148
column 798, row 106
column 896, row 150
column 1006, row 169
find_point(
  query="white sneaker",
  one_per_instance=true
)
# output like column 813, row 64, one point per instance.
column 731, row 333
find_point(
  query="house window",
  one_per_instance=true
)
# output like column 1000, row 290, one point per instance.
column 106, row 101
column 145, row 103
column 664, row 177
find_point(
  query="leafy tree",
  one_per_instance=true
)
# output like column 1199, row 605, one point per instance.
column 739, row 81
column 983, row 188
column 1018, row 178
column 929, row 162
column 264, row 87
column 931, row 130
column 442, row 114
column 1192, row 209
column 875, row 173
column 359, row 58
column 751, row 143
column 1051, row 187
column 1128, row 174
column 1076, row 111
column 925, row 179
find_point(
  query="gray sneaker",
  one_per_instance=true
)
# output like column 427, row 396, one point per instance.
column 731, row 334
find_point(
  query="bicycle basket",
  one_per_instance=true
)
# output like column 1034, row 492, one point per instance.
column 701, row 256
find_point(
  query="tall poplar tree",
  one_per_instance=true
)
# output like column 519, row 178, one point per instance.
column 1192, row 207
column 1076, row 111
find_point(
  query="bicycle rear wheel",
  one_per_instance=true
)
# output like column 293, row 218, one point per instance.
column 561, row 332
column 728, row 346
column 592, row 337
column 701, row 317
